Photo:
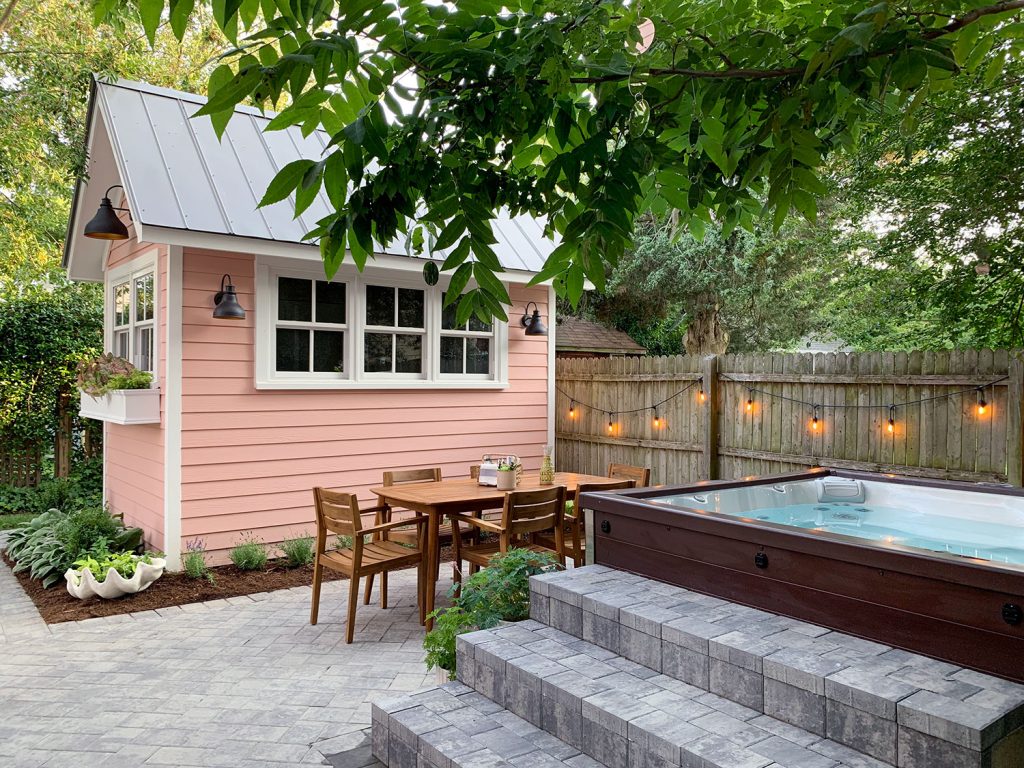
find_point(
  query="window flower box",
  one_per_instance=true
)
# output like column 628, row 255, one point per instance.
column 123, row 406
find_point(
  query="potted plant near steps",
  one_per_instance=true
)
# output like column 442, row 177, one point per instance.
column 114, row 390
column 509, row 469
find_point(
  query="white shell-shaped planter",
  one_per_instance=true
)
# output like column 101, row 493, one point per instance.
column 82, row 584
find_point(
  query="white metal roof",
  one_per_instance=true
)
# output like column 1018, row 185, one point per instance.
column 179, row 179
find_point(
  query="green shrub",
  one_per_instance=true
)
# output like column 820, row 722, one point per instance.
column 250, row 554
column 88, row 530
column 499, row 592
column 50, row 543
column 84, row 488
column 194, row 561
column 298, row 551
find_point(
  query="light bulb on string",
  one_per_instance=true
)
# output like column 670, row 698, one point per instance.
column 611, row 423
column 572, row 409
column 982, row 405
column 658, row 422
column 891, row 426
column 814, row 420
column 701, row 397
column 750, row 402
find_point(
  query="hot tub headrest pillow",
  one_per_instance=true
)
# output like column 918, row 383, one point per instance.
column 836, row 489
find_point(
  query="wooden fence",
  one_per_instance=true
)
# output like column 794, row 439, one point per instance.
column 728, row 416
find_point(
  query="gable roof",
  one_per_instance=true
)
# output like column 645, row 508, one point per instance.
column 180, row 180
column 574, row 334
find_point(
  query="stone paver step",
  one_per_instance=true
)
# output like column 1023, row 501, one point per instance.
column 623, row 714
column 454, row 727
column 880, row 700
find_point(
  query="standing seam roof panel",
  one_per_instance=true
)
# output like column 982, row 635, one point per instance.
column 191, row 184
column 152, row 194
column 179, row 175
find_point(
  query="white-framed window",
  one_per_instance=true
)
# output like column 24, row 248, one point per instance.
column 394, row 330
column 310, row 326
column 132, row 312
column 465, row 350
column 380, row 329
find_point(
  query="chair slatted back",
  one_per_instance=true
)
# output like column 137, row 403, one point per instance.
column 640, row 475
column 533, row 511
column 402, row 476
column 337, row 512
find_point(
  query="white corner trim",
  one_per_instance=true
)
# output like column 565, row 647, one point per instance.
column 172, row 411
column 552, row 318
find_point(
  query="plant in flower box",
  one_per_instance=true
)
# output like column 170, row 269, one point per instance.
column 107, row 373
column 509, row 470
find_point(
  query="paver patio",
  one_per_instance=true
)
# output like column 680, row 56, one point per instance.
column 238, row 682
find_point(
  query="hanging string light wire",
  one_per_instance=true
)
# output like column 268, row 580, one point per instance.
column 575, row 402
column 837, row 406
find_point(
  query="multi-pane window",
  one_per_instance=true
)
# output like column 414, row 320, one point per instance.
column 394, row 330
column 134, row 321
column 310, row 327
column 465, row 348
column 367, row 330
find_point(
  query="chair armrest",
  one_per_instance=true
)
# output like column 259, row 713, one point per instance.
column 484, row 525
column 418, row 520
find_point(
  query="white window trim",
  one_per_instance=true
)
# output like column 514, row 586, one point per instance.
column 129, row 271
column 269, row 268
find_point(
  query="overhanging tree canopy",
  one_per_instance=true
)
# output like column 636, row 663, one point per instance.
column 442, row 115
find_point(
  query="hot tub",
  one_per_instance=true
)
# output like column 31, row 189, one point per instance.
column 930, row 566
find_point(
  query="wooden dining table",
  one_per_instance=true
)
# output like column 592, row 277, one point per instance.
column 435, row 500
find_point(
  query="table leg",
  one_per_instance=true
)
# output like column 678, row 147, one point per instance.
column 431, row 554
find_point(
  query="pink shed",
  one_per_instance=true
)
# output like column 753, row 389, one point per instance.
column 318, row 384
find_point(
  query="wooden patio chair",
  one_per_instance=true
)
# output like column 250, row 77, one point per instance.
column 525, row 513
column 339, row 513
column 388, row 514
column 640, row 475
column 574, row 522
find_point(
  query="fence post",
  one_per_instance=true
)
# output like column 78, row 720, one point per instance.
column 709, row 456
column 1015, row 421
column 62, row 438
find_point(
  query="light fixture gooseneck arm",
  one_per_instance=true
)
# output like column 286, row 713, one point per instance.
column 106, row 198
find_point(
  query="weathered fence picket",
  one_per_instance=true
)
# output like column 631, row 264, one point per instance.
column 938, row 431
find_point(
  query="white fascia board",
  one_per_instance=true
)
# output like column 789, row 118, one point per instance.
column 213, row 241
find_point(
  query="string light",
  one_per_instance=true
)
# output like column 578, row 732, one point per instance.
column 816, row 423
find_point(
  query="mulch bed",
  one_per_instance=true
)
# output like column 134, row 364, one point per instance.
column 56, row 605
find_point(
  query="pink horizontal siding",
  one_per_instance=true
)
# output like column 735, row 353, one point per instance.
column 133, row 471
column 250, row 458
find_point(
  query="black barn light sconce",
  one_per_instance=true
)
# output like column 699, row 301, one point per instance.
column 226, row 300
column 106, row 225
column 533, row 324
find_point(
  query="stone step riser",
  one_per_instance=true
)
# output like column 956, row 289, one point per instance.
column 623, row 714
column 454, row 727
column 875, row 699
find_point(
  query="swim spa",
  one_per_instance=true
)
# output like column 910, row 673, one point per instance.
column 934, row 567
